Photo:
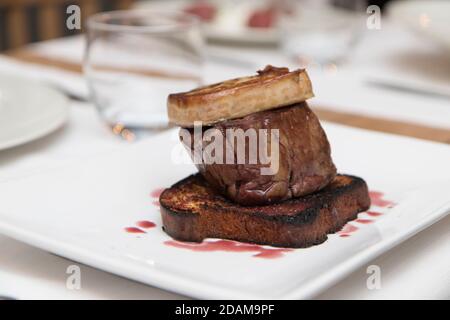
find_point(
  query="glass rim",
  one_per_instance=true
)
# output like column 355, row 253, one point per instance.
column 101, row 21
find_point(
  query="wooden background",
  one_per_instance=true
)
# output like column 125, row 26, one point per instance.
column 25, row 21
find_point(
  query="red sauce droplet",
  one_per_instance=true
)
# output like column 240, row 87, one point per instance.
column 374, row 214
column 344, row 235
column 156, row 193
column 348, row 228
column 230, row 246
column 156, row 203
column 364, row 221
column 377, row 199
column 134, row 230
column 146, row 224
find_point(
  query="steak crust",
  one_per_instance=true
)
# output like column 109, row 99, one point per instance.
column 192, row 211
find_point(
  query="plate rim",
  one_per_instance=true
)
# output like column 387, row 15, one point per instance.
column 177, row 283
column 52, row 122
column 191, row 287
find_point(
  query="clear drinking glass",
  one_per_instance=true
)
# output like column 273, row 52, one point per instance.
column 135, row 58
column 320, row 32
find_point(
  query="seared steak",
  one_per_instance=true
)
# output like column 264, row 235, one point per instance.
column 304, row 166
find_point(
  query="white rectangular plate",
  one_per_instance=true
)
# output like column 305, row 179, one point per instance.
column 82, row 211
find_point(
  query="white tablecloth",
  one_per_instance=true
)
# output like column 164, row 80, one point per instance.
column 419, row 268
column 390, row 55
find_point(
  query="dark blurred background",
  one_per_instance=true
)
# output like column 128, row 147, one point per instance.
column 26, row 21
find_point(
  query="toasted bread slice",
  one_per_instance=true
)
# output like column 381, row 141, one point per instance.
column 192, row 211
column 236, row 98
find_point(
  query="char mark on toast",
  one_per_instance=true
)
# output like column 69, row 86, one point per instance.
column 192, row 211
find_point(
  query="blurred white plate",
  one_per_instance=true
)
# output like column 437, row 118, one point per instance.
column 81, row 212
column 28, row 110
column 427, row 17
column 230, row 25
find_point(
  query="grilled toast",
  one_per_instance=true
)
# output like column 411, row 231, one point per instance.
column 271, row 88
column 192, row 211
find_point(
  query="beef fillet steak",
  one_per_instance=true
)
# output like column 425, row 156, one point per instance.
column 305, row 165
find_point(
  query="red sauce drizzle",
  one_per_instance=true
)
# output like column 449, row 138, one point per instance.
column 364, row 221
column 374, row 214
column 349, row 228
column 377, row 199
column 230, row 246
column 146, row 224
column 156, row 193
column 156, row 203
column 134, row 230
